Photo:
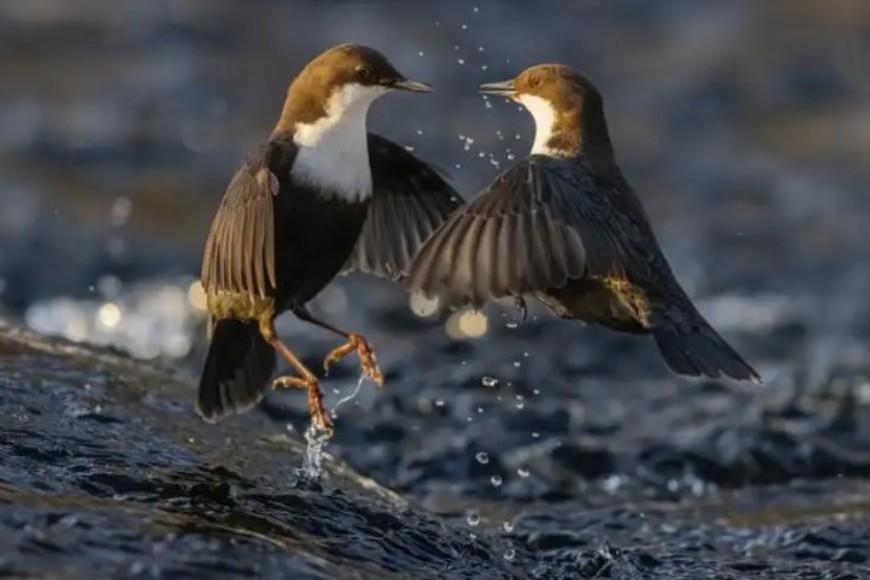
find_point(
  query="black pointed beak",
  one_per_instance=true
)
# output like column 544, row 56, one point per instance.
column 503, row 88
column 413, row 86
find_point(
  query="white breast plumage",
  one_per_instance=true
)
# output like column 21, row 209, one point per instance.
column 333, row 151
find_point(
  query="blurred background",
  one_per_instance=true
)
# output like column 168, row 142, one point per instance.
column 743, row 124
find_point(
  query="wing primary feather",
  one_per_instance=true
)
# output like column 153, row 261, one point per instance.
column 269, row 243
column 465, row 265
column 258, row 254
column 247, row 243
column 483, row 283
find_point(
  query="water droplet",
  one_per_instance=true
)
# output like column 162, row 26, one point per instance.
column 461, row 137
column 481, row 154
column 473, row 519
column 523, row 472
column 479, row 49
column 495, row 480
column 535, row 434
column 512, row 324
column 510, row 156
column 517, row 364
column 469, row 140
column 482, row 457
column 480, row 410
column 476, row 9
column 420, row 53
column 409, row 147
column 507, row 526
column 509, row 554
column 458, row 166
column 461, row 61
column 419, row 131
column 439, row 403
column 464, row 27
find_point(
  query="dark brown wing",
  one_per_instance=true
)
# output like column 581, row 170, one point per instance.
column 409, row 201
column 240, row 251
column 540, row 223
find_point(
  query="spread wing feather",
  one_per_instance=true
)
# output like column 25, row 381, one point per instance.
column 539, row 224
column 409, row 201
column 240, row 251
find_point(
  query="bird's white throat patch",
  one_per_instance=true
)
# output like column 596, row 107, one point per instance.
column 545, row 123
column 333, row 151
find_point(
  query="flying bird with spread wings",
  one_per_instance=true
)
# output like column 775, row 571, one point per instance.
column 564, row 226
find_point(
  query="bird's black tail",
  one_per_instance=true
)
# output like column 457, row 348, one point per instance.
column 693, row 348
column 237, row 370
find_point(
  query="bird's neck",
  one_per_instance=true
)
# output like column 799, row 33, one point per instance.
column 333, row 152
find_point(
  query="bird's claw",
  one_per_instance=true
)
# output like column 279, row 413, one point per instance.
column 367, row 359
column 320, row 419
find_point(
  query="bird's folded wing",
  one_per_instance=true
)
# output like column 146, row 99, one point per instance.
column 539, row 224
column 409, row 201
column 240, row 251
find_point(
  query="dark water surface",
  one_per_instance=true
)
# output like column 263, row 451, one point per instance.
column 544, row 451
column 106, row 472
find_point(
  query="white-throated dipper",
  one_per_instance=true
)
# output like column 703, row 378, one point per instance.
column 319, row 197
column 565, row 227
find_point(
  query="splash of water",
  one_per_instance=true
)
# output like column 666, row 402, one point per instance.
column 312, row 462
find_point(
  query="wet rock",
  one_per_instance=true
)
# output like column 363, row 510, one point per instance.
column 108, row 472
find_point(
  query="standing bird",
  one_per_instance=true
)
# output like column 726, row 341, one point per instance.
column 320, row 197
column 565, row 227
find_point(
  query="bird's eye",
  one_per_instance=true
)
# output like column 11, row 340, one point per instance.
column 534, row 81
column 364, row 72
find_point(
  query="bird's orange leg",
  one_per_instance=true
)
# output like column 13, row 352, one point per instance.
column 355, row 343
column 319, row 416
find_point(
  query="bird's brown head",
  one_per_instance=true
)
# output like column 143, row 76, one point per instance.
column 341, row 81
column 567, row 108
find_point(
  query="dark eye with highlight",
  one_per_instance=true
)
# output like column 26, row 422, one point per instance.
column 534, row 81
column 364, row 72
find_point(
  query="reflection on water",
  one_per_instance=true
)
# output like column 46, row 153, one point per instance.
column 158, row 318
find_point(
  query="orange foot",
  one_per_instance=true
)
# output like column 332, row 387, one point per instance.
column 367, row 361
column 319, row 416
